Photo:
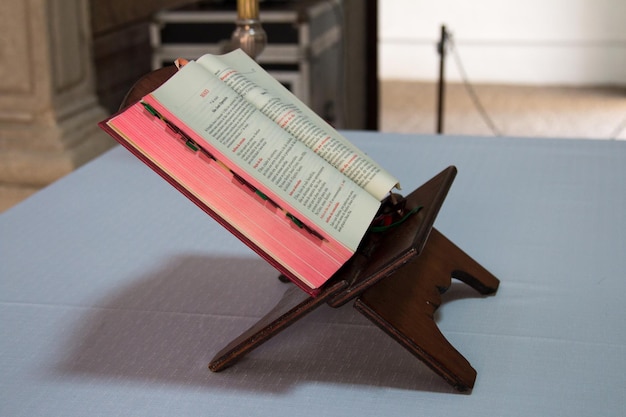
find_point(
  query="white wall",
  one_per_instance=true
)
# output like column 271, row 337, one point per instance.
column 566, row 42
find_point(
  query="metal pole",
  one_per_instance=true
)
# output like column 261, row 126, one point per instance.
column 441, row 49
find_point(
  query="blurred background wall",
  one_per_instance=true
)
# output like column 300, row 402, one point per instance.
column 556, row 42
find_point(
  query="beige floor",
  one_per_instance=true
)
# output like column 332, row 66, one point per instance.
column 410, row 107
column 553, row 112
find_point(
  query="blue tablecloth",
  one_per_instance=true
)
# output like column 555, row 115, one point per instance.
column 116, row 291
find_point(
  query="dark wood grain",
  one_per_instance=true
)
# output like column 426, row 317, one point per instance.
column 294, row 304
column 381, row 254
column 403, row 305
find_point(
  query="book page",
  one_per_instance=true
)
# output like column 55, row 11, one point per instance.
column 247, row 78
column 264, row 154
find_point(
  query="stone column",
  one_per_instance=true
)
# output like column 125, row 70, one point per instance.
column 48, row 108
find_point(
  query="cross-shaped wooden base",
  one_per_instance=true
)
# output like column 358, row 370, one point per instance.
column 396, row 279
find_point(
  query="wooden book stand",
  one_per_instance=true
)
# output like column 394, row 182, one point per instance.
column 396, row 278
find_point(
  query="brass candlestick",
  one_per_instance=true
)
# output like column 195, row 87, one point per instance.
column 249, row 34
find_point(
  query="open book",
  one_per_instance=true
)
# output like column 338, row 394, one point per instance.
column 249, row 153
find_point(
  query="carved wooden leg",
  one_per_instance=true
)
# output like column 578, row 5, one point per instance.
column 452, row 260
column 404, row 303
column 294, row 304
